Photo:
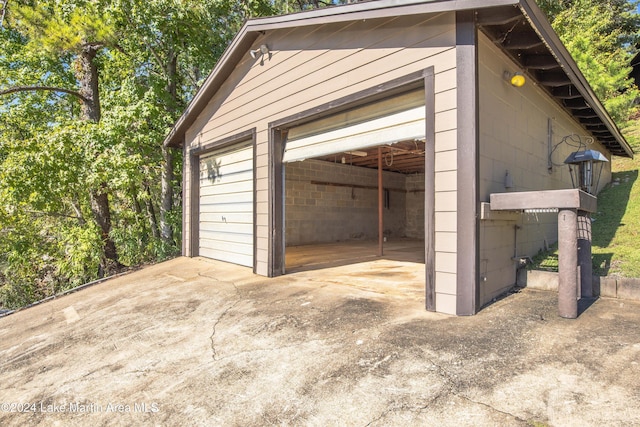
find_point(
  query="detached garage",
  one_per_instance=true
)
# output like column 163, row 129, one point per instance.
column 382, row 128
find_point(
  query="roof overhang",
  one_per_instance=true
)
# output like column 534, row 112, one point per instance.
column 518, row 27
column 524, row 34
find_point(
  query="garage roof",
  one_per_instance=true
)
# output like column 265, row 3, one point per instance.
column 518, row 27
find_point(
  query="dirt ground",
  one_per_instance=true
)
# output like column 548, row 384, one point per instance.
column 199, row 342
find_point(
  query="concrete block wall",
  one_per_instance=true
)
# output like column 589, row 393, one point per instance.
column 328, row 202
column 495, row 275
column 414, row 213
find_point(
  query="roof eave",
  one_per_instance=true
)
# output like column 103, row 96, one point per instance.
column 252, row 29
column 541, row 25
column 370, row 10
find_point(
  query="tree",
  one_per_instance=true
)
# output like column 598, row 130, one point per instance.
column 601, row 36
column 75, row 35
column 88, row 91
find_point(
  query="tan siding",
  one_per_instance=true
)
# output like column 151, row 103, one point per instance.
column 333, row 61
column 513, row 137
column 332, row 72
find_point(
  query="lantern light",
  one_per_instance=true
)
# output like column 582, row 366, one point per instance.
column 585, row 168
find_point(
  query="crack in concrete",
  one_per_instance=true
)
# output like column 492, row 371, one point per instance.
column 486, row 405
column 219, row 319
column 453, row 387
column 418, row 410
column 449, row 388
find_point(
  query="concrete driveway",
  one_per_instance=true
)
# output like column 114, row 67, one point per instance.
column 199, row 342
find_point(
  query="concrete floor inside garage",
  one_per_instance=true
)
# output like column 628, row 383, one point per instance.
column 326, row 255
column 332, row 207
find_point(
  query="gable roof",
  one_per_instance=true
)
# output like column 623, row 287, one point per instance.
column 518, row 27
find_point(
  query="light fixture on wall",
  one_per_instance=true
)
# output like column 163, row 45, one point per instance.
column 260, row 52
column 516, row 79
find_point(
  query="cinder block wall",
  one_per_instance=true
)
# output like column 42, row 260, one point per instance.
column 329, row 202
column 414, row 185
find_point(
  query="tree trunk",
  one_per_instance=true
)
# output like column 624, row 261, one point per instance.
column 151, row 212
column 166, row 232
column 87, row 74
column 166, row 201
column 102, row 215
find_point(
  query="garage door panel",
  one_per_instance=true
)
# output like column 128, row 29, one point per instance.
column 210, row 169
column 225, row 199
column 226, row 227
column 227, row 186
column 221, row 255
column 402, row 126
column 233, row 247
column 222, row 236
column 229, row 156
column 226, row 205
column 227, row 217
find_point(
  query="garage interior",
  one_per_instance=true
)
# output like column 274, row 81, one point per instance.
column 332, row 207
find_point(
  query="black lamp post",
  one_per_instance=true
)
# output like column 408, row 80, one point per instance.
column 585, row 168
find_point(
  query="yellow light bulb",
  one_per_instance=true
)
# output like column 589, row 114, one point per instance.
column 518, row 80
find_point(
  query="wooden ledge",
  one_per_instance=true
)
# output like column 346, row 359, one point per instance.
column 546, row 199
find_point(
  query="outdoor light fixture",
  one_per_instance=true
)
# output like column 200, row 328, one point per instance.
column 260, row 52
column 585, row 168
column 516, row 79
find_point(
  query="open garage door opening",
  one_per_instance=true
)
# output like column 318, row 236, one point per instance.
column 333, row 196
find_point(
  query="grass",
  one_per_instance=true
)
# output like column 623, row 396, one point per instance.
column 616, row 225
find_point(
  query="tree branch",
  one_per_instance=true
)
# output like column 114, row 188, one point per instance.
column 54, row 214
column 47, row 88
column 5, row 4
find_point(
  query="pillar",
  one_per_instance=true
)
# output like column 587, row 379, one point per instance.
column 568, row 263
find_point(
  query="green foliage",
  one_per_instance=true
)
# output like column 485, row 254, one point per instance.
column 616, row 227
column 62, row 26
column 151, row 58
column 601, row 36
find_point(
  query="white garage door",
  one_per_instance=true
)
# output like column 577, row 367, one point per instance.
column 226, row 205
column 398, row 119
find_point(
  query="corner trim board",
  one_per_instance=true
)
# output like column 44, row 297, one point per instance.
column 467, row 278
column 429, row 190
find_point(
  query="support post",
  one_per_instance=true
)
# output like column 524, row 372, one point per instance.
column 584, row 255
column 568, row 263
column 380, row 204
